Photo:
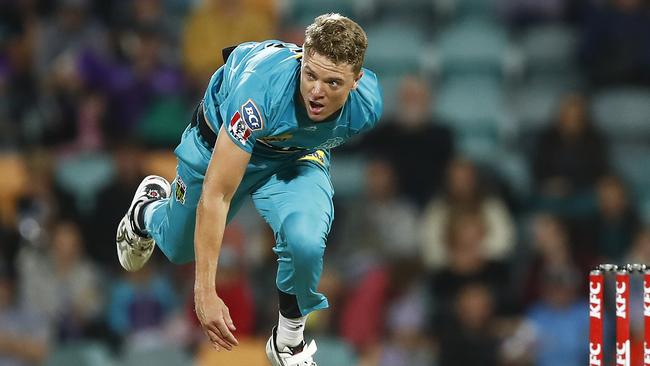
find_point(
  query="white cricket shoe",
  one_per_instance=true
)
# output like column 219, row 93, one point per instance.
column 295, row 356
column 134, row 250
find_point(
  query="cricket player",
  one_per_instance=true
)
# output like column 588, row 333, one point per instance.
column 264, row 129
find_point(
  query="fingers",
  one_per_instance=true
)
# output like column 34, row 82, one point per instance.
column 217, row 340
column 226, row 334
column 229, row 321
column 220, row 328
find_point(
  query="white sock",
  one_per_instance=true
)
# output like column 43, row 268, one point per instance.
column 290, row 331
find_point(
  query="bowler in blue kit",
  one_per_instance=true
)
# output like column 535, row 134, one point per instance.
column 264, row 129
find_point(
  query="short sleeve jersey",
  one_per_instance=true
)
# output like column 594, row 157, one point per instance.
column 256, row 95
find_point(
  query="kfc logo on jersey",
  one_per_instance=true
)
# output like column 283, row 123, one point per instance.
column 238, row 129
column 252, row 115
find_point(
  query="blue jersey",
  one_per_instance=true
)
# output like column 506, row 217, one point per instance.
column 257, row 95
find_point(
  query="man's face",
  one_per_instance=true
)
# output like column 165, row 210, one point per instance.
column 324, row 85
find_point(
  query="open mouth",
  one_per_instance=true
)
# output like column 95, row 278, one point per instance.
column 315, row 107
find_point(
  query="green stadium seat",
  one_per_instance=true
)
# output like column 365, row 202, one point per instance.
column 549, row 49
column 631, row 162
column 390, row 87
column 472, row 46
column 334, row 352
column 302, row 13
column 645, row 209
column 394, row 48
column 536, row 105
column 164, row 121
column 474, row 108
column 348, row 174
column 417, row 11
column 623, row 113
column 467, row 8
column 80, row 354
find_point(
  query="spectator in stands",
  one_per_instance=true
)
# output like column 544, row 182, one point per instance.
column 527, row 12
column 407, row 313
column 468, row 262
column 469, row 337
column 18, row 84
column 569, row 158
column 615, row 44
column 71, row 31
column 464, row 193
column 381, row 224
column 551, row 248
column 127, row 158
column 60, row 283
column 24, row 335
column 559, row 319
column 139, row 306
column 417, row 146
column 616, row 221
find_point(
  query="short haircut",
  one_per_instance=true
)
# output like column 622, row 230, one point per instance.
column 338, row 38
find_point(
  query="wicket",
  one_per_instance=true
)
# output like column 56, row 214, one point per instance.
column 596, row 309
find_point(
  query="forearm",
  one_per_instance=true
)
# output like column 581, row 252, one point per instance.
column 210, row 224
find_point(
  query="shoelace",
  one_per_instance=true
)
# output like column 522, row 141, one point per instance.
column 304, row 358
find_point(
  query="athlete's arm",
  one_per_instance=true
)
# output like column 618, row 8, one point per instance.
column 222, row 178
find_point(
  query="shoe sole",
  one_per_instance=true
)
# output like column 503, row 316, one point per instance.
column 270, row 354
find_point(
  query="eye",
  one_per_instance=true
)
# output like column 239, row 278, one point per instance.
column 311, row 76
column 333, row 83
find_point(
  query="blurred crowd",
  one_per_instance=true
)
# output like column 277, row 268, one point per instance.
column 435, row 257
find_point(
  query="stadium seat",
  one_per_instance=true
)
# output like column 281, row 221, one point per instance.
column 623, row 113
column 474, row 108
column 645, row 209
column 84, row 175
column 80, row 354
column 302, row 13
column 394, row 48
column 466, row 8
column 167, row 356
column 390, row 87
column 416, row 11
column 164, row 121
column 631, row 162
column 334, row 352
column 348, row 174
column 472, row 46
column 549, row 48
column 535, row 105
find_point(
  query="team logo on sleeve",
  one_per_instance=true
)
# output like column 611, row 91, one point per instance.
column 238, row 129
column 252, row 115
column 180, row 190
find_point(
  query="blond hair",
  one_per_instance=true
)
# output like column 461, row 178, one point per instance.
column 338, row 38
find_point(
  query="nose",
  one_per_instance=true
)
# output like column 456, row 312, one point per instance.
column 318, row 91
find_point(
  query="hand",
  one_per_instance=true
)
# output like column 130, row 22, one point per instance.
column 215, row 320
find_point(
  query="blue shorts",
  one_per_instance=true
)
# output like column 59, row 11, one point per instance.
column 292, row 192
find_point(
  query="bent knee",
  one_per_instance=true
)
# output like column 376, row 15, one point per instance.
column 305, row 237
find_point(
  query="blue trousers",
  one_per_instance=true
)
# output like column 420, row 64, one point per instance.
column 291, row 191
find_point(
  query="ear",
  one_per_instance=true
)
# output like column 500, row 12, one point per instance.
column 356, row 80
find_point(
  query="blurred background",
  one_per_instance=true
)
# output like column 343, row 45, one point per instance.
column 514, row 153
